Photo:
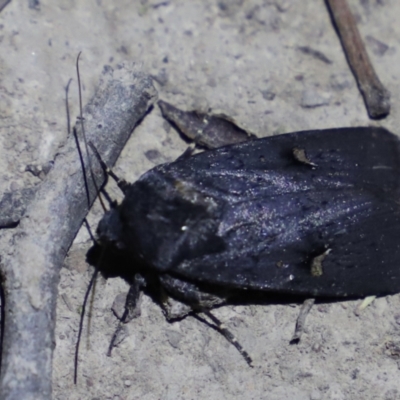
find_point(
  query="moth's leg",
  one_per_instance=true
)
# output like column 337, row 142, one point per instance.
column 132, row 309
column 301, row 320
column 132, row 303
column 180, row 298
column 194, row 301
column 228, row 335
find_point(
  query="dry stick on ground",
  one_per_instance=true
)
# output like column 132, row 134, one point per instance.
column 48, row 228
column 376, row 96
column 3, row 3
column 301, row 320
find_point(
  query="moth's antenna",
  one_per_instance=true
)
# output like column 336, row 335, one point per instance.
column 67, row 107
column 96, row 272
column 80, row 118
column 91, row 283
column 2, row 316
column 75, row 133
column 122, row 183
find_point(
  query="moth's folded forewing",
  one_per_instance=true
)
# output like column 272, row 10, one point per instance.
column 313, row 213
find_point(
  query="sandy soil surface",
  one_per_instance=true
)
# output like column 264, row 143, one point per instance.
column 247, row 60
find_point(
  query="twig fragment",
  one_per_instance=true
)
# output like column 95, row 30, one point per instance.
column 301, row 320
column 376, row 96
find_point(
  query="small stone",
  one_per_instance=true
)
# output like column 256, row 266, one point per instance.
column 311, row 99
column 267, row 94
column 118, row 306
column 315, row 395
column 174, row 338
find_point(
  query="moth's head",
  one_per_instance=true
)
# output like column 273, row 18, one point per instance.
column 109, row 229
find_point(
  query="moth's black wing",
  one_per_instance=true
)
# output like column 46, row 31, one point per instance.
column 313, row 213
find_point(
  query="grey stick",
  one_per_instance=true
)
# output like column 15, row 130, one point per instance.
column 48, row 228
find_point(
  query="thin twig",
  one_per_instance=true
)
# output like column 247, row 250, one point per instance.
column 301, row 320
column 376, row 96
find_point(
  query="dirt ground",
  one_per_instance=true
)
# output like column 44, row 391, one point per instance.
column 245, row 58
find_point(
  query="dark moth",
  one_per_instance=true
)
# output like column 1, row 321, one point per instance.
column 313, row 213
